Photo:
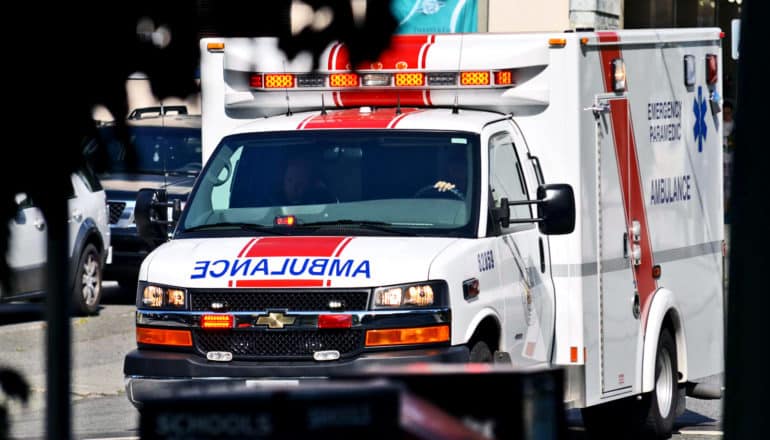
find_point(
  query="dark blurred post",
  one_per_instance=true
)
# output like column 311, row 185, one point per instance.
column 58, row 301
column 746, row 370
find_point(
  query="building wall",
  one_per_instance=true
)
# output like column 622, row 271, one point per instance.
column 549, row 15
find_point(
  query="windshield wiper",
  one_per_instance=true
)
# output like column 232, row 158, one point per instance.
column 363, row 224
column 243, row 226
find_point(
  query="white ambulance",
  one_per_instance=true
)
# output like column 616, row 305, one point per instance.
column 534, row 199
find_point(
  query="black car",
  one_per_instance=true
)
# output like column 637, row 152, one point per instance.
column 168, row 156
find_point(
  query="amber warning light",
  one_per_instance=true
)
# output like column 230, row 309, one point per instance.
column 216, row 321
column 285, row 220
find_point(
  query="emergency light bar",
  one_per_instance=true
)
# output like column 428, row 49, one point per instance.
column 264, row 81
column 497, row 73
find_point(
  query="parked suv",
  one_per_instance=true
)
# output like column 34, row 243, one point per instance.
column 89, row 244
column 168, row 156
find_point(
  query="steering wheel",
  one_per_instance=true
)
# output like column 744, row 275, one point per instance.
column 424, row 192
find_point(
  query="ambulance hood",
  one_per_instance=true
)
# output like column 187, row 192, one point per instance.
column 293, row 261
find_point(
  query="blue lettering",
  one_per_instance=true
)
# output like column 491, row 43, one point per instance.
column 217, row 275
column 337, row 270
column 363, row 268
column 670, row 189
column 201, row 267
column 283, row 268
column 236, row 267
column 292, row 269
column 318, row 267
column 261, row 266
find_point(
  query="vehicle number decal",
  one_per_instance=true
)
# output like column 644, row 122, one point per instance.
column 486, row 261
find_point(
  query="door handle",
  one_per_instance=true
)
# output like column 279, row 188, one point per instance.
column 39, row 224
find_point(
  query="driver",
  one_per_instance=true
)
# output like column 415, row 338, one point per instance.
column 301, row 184
column 455, row 175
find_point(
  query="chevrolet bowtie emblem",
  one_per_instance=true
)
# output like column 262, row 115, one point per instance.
column 275, row 320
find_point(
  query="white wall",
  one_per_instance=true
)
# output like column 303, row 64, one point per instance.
column 527, row 15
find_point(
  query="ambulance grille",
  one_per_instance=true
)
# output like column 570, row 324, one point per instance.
column 279, row 344
column 243, row 300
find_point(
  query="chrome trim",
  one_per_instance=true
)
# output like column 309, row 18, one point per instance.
column 305, row 320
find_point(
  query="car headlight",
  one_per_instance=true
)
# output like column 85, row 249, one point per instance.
column 426, row 294
column 155, row 297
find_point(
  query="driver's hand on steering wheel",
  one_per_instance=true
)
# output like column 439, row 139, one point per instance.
column 443, row 186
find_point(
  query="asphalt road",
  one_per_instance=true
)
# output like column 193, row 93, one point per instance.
column 99, row 405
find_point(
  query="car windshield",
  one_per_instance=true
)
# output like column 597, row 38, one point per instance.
column 158, row 150
column 311, row 182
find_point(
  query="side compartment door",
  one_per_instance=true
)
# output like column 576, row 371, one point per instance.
column 528, row 312
column 624, row 254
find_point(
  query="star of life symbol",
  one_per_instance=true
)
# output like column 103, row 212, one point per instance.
column 699, row 109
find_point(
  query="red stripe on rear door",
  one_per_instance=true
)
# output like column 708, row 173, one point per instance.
column 608, row 53
column 295, row 247
column 629, row 173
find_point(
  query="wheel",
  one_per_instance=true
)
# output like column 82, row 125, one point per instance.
column 652, row 416
column 87, row 289
column 432, row 191
column 661, row 404
column 480, row 352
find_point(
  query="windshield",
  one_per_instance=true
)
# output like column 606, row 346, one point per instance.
column 376, row 181
column 158, row 150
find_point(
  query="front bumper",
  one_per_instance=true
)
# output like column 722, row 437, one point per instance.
column 156, row 374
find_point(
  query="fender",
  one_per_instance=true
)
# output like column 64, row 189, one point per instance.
column 663, row 303
column 480, row 316
column 87, row 229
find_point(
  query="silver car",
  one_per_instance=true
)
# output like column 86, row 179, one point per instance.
column 89, row 245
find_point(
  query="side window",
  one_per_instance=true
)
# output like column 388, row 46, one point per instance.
column 88, row 177
column 505, row 175
column 221, row 193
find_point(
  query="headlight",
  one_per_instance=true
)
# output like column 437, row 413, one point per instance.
column 425, row 294
column 154, row 296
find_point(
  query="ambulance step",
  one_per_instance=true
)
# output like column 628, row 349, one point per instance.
column 705, row 391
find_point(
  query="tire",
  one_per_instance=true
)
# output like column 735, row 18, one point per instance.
column 480, row 352
column 87, row 288
column 660, row 405
column 652, row 416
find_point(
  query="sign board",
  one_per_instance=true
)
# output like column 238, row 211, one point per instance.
column 435, row 16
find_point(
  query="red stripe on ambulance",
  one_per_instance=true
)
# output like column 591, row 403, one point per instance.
column 410, row 54
column 353, row 118
column 279, row 283
column 629, row 174
column 295, row 247
column 381, row 98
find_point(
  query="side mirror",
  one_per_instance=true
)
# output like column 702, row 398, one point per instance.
column 151, row 215
column 503, row 213
column 556, row 209
column 176, row 210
